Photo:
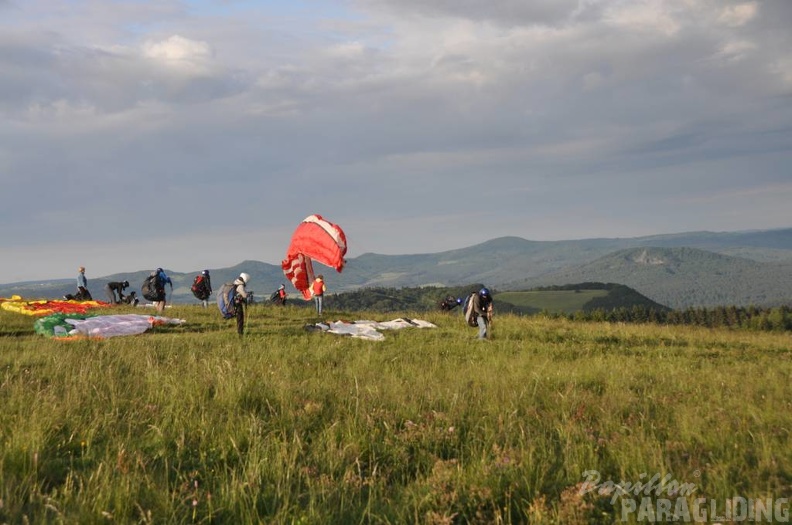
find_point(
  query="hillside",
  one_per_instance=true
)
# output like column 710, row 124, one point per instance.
column 758, row 260
column 502, row 261
column 583, row 297
column 683, row 277
column 578, row 297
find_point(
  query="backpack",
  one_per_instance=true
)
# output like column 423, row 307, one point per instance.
column 151, row 288
column 225, row 300
column 199, row 289
column 467, row 309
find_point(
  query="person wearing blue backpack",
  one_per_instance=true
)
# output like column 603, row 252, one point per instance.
column 478, row 312
column 231, row 300
column 161, row 280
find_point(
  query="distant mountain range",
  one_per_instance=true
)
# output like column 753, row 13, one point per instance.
column 678, row 270
column 683, row 277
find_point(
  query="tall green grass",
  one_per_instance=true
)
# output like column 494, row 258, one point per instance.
column 193, row 424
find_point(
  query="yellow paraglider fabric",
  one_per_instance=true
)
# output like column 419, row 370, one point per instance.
column 18, row 305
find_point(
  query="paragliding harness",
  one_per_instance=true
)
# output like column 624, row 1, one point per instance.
column 471, row 316
column 131, row 299
column 82, row 295
column 152, row 288
column 231, row 305
column 278, row 297
column 227, row 300
column 469, row 312
column 199, row 288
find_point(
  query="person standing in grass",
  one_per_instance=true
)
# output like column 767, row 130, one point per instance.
column 232, row 298
column 318, row 289
column 478, row 312
column 241, row 298
column 161, row 280
column 202, row 287
column 82, row 287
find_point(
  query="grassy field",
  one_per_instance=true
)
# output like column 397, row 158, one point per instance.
column 193, row 424
column 554, row 301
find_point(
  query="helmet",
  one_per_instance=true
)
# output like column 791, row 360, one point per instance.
column 126, row 284
column 484, row 292
column 458, row 300
column 159, row 270
column 281, row 287
column 205, row 272
column 245, row 277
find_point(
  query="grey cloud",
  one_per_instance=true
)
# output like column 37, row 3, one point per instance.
column 542, row 127
column 506, row 12
column 109, row 81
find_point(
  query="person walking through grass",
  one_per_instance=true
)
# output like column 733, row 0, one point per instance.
column 161, row 280
column 478, row 312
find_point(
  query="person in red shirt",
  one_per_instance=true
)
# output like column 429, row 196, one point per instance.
column 318, row 290
column 281, row 298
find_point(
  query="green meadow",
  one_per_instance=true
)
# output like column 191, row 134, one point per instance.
column 193, row 424
column 554, row 301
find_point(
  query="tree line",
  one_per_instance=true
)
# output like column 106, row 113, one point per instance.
column 749, row 318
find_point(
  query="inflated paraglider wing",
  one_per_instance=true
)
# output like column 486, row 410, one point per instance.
column 315, row 239
column 299, row 270
column 320, row 240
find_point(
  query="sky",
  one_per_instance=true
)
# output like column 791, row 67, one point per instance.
column 198, row 134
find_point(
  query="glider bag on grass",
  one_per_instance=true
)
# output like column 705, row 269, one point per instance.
column 315, row 239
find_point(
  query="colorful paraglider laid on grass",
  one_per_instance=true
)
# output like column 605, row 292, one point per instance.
column 371, row 330
column 48, row 306
column 315, row 239
column 71, row 326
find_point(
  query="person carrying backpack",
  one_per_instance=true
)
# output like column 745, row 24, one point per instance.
column 478, row 312
column 231, row 300
column 202, row 287
column 281, row 295
column 318, row 290
column 154, row 288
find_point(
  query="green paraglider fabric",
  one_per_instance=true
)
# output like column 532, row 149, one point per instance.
column 55, row 325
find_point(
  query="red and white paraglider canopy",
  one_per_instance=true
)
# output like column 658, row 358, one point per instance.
column 315, row 239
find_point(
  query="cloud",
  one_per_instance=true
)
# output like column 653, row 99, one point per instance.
column 501, row 12
column 735, row 50
column 643, row 17
column 177, row 51
column 119, row 120
column 738, row 15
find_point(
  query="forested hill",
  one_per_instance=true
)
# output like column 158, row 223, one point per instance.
column 584, row 297
column 684, row 277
